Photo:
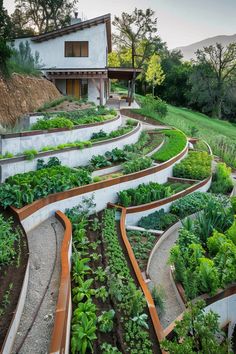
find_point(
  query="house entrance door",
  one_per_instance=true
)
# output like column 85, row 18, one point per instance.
column 73, row 87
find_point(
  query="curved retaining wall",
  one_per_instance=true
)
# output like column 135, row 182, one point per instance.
column 17, row 143
column 151, row 306
column 60, row 339
column 134, row 214
column 71, row 157
column 106, row 191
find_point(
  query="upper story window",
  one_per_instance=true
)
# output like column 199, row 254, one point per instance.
column 76, row 49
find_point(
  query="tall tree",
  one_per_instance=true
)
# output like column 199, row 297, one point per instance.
column 132, row 31
column 222, row 62
column 5, row 33
column 45, row 15
column 155, row 75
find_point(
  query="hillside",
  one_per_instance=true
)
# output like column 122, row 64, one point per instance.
column 22, row 94
column 189, row 50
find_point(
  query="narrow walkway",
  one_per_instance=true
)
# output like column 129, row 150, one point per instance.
column 160, row 275
column 42, row 250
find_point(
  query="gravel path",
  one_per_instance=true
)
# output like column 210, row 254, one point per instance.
column 160, row 275
column 42, row 249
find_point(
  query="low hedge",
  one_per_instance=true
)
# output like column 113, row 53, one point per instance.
column 175, row 142
column 197, row 165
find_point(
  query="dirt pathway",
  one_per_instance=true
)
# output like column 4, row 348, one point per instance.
column 42, row 248
column 160, row 275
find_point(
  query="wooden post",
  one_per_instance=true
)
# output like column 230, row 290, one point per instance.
column 101, row 91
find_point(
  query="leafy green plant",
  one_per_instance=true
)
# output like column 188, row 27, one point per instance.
column 52, row 162
column 197, row 165
column 101, row 293
column 100, row 274
column 8, row 240
column 141, row 320
column 222, row 181
column 159, row 220
column 24, row 188
column 30, row 154
column 51, row 123
column 158, row 295
column 109, row 349
column 83, row 335
column 105, row 321
column 137, row 164
column 99, row 161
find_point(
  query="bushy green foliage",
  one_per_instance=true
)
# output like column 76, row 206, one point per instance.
column 7, row 155
column 197, row 165
column 233, row 203
column 205, row 254
column 155, row 104
column 197, row 332
column 222, row 181
column 52, row 162
column 55, row 122
column 159, row 220
column 175, row 142
column 137, row 164
column 144, row 193
column 8, row 240
column 24, row 188
column 195, row 202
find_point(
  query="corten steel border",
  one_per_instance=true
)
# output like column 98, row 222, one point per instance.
column 55, row 130
column 54, row 152
column 59, row 337
column 151, row 306
column 29, row 209
column 161, row 202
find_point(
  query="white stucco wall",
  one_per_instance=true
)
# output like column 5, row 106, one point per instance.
column 52, row 51
column 226, row 309
column 19, row 144
column 71, row 158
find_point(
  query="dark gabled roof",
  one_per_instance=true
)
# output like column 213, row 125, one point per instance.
column 77, row 27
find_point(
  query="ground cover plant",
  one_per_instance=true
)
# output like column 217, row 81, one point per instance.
column 197, row 165
column 142, row 243
column 219, row 134
column 205, row 253
column 108, row 309
column 147, row 193
column 25, row 188
column 175, row 142
column 222, row 180
column 159, row 220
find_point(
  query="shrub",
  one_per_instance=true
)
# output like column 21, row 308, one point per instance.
column 137, row 164
column 52, row 162
column 159, row 220
column 56, row 122
column 222, row 181
column 155, row 104
column 100, row 135
column 197, row 165
column 175, row 142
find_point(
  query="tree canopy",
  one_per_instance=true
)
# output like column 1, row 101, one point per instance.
column 5, row 34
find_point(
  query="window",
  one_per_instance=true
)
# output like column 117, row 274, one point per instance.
column 76, row 49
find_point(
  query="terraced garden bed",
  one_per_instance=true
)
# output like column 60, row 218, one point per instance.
column 13, row 263
column 111, row 289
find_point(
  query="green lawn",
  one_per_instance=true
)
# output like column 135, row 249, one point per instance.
column 221, row 135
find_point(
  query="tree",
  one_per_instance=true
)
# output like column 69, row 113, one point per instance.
column 135, row 30
column 155, row 74
column 113, row 60
column 20, row 24
column 222, row 62
column 197, row 333
column 5, row 31
column 45, row 15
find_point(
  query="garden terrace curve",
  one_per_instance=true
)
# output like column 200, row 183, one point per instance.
column 155, row 171
column 21, row 164
column 17, row 143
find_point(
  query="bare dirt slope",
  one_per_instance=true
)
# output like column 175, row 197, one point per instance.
column 23, row 94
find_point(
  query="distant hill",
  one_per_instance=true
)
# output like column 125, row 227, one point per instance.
column 189, row 50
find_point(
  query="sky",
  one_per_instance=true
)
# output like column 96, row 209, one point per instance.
column 180, row 22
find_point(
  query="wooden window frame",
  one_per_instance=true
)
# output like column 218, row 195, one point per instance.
column 76, row 56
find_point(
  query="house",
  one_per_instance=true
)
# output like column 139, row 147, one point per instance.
column 75, row 58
